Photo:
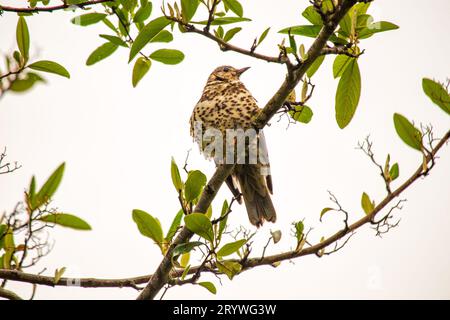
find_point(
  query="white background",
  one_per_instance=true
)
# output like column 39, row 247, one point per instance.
column 117, row 143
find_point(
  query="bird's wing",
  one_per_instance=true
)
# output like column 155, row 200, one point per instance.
column 264, row 161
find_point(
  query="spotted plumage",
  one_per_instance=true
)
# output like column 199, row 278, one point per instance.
column 227, row 104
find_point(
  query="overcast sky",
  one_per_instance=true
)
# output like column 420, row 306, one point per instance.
column 117, row 142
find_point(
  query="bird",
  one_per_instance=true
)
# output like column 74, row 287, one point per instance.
column 226, row 105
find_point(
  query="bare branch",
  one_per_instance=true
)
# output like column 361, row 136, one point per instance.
column 7, row 168
column 225, row 46
column 351, row 228
column 212, row 10
column 366, row 147
column 19, row 276
column 340, row 50
column 52, row 8
column 339, row 209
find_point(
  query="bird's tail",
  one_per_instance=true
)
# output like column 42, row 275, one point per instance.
column 254, row 187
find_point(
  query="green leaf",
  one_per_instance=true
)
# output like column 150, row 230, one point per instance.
column 102, row 52
column 376, row 27
column 292, row 43
column 407, row 132
column 315, row 66
column 394, row 172
column 263, row 36
column 174, row 226
column 110, row 25
column 58, row 274
column 66, row 220
column 88, row 19
column 209, row 286
column 346, row 24
column 148, row 226
column 26, row 83
column 17, row 56
column 167, row 56
column 312, row 16
column 51, row 67
column 185, row 272
column 347, row 94
column 437, row 93
column 32, row 188
column 143, row 13
column 230, row 248
column 219, row 32
column 163, row 36
column 327, row 6
column 367, row 204
column 175, row 173
column 146, row 34
column 361, row 8
column 3, row 229
column 225, row 20
column 50, row 186
column 209, row 212
column 200, row 225
column 302, row 114
column 129, row 5
column 9, row 243
column 324, row 210
column 185, row 248
column 363, row 21
column 141, row 67
column 307, row 31
column 299, row 227
column 188, row 9
column 23, row 38
column 234, row 6
column 194, row 184
column 340, row 65
column 386, row 166
column 223, row 222
column 184, row 261
column 231, row 33
column 9, row 247
column 114, row 39
column 230, row 268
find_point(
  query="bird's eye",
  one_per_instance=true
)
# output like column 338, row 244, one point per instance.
column 226, row 69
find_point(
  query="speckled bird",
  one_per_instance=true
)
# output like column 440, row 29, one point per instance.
column 227, row 104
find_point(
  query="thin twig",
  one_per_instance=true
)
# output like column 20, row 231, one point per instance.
column 51, row 8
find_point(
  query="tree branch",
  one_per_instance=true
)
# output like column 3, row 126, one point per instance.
column 6, row 168
column 340, row 50
column 155, row 283
column 251, row 263
column 132, row 282
column 225, row 46
column 19, row 276
column 7, row 294
column 51, row 8
column 292, row 79
column 161, row 276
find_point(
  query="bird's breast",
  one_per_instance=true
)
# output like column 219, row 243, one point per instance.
column 225, row 106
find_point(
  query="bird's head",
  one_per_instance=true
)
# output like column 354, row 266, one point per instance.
column 226, row 73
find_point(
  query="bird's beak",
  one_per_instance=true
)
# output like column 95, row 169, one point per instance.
column 241, row 71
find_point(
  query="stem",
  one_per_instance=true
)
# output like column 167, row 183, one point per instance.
column 51, row 8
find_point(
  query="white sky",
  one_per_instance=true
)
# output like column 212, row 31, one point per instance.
column 117, row 142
